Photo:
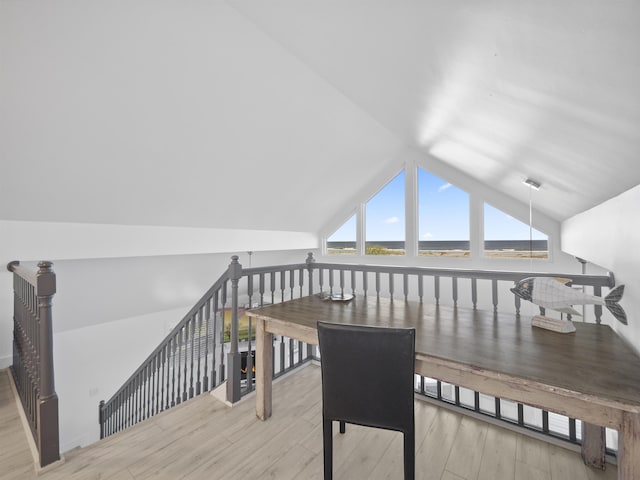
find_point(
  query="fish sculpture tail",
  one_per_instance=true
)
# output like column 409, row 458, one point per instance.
column 611, row 302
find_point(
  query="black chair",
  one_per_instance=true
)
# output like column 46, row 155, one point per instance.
column 367, row 379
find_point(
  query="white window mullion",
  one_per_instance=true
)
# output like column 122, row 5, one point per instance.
column 476, row 224
column 360, row 229
column 411, row 209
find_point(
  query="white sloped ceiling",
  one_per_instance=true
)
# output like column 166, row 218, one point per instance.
column 172, row 113
column 502, row 90
column 270, row 115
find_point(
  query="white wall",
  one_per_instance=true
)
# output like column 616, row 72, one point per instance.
column 60, row 240
column 147, row 269
column 609, row 235
column 92, row 363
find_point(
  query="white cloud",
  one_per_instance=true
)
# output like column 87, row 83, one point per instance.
column 443, row 187
column 391, row 220
column 426, row 236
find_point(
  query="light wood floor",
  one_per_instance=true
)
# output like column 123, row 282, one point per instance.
column 203, row 439
column 16, row 460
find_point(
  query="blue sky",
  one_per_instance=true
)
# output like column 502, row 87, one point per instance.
column 443, row 214
column 385, row 212
column 443, row 209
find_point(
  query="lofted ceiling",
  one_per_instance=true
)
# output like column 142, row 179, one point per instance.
column 270, row 115
column 502, row 90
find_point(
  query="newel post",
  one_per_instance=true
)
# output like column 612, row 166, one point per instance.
column 48, row 437
column 310, row 261
column 234, row 358
column 101, row 418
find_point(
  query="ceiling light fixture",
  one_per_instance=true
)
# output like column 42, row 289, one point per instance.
column 532, row 183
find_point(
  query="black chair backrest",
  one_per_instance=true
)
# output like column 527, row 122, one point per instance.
column 367, row 375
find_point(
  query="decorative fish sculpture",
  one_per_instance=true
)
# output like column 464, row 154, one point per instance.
column 555, row 294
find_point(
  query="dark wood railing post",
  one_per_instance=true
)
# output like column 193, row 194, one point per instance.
column 48, row 437
column 101, row 418
column 32, row 366
column 234, row 357
column 310, row 261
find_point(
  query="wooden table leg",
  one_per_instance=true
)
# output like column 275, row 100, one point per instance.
column 629, row 447
column 264, row 370
column 593, row 445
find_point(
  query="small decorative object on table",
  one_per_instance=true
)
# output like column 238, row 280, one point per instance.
column 553, row 324
column 556, row 294
column 341, row 297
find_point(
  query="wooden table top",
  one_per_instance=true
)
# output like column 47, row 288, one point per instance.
column 593, row 362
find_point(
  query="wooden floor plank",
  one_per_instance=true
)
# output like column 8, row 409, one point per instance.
column 433, row 453
column 391, row 463
column 565, row 464
column 289, row 466
column 526, row 471
column 499, row 454
column 446, row 475
column 203, row 438
column 533, row 452
column 466, row 454
column 364, row 459
column 16, row 460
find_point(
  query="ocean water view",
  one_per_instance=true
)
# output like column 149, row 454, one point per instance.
column 454, row 248
column 518, row 245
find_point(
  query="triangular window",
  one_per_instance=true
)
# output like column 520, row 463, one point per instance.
column 343, row 240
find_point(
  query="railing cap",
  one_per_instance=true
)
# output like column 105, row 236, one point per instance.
column 235, row 269
column 46, row 279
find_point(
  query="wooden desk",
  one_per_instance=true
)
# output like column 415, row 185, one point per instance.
column 590, row 374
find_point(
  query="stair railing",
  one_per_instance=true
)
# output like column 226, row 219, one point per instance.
column 186, row 363
column 203, row 350
column 32, row 366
